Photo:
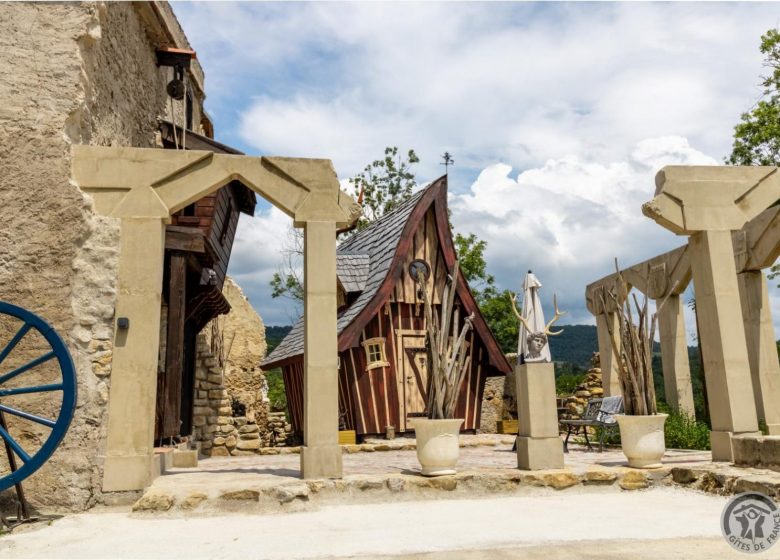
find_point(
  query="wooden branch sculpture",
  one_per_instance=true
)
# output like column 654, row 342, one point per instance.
column 448, row 357
column 632, row 346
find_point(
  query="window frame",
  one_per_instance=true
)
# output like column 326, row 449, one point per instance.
column 378, row 343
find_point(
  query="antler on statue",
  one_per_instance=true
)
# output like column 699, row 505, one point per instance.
column 557, row 316
column 513, row 299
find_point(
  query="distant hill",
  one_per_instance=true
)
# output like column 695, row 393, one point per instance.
column 575, row 345
column 274, row 335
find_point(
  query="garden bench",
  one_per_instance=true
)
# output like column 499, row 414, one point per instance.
column 600, row 413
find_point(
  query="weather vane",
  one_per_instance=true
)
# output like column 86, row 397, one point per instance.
column 447, row 157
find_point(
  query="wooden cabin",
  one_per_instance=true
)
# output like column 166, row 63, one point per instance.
column 381, row 325
column 198, row 243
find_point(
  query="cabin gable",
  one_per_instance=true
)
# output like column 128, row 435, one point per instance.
column 387, row 386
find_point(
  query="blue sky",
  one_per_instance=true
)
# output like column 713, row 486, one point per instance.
column 558, row 115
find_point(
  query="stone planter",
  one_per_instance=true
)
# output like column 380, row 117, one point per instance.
column 437, row 445
column 642, row 439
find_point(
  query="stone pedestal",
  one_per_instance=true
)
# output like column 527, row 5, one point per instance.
column 538, row 444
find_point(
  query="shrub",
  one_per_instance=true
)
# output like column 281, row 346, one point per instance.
column 567, row 383
column 276, row 393
column 684, row 432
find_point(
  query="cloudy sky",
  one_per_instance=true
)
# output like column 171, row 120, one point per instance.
column 558, row 115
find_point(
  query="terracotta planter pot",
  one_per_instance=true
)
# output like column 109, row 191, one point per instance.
column 437, row 445
column 642, row 439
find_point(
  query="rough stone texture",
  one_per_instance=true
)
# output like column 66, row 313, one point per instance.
column 193, row 501
column 634, row 480
column 154, row 501
column 243, row 339
column 78, row 73
column 499, row 401
column 227, row 374
column 591, row 387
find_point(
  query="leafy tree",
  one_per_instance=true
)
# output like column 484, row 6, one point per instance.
column 494, row 304
column 471, row 257
column 385, row 183
column 757, row 137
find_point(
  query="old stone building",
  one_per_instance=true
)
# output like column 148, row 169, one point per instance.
column 84, row 74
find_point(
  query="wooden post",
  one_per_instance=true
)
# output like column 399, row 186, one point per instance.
column 174, row 351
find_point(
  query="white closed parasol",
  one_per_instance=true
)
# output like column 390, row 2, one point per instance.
column 532, row 323
column 533, row 316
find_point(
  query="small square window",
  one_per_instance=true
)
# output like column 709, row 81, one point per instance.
column 375, row 353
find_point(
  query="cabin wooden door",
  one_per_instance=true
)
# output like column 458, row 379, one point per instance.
column 414, row 378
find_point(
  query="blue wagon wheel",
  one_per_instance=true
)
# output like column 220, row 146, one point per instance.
column 44, row 378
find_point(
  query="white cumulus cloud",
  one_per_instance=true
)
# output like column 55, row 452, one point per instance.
column 568, row 219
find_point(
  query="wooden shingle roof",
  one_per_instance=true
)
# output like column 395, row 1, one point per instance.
column 376, row 244
column 352, row 271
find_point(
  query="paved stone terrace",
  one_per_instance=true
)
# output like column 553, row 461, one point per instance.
column 381, row 470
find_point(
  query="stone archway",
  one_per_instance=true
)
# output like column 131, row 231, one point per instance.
column 143, row 187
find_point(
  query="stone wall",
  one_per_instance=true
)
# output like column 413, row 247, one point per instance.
column 589, row 388
column 71, row 73
column 232, row 415
column 499, row 401
column 243, row 339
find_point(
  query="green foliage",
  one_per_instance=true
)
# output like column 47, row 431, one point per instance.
column 471, row 259
column 385, row 183
column 496, row 308
column 566, row 383
column 494, row 304
column 287, row 285
column 277, row 396
column 612, row 437
column 757, row 137
column 683, row 432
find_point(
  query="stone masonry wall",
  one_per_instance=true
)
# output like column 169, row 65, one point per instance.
column 499, row 401
column 590, row 388
column 244, row 347
column 70, row 73
column 231, row 415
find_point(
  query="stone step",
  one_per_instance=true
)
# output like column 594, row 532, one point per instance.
column 185, row 458
column 242, row 493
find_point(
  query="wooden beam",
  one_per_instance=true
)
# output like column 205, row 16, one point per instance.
column 179, row 238
column 174, row 350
